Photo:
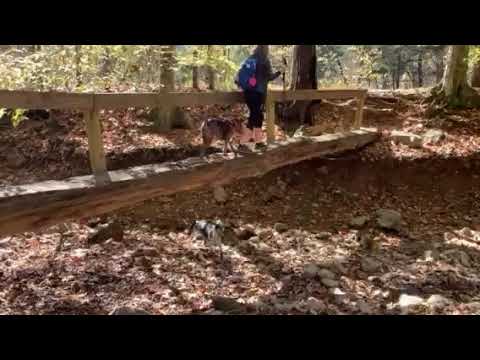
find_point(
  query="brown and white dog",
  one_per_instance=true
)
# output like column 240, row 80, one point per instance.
column 221, row 129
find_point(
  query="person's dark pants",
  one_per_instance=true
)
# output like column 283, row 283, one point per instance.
column 255, row 101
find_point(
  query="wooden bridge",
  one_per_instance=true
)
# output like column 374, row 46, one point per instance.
column 34, row 206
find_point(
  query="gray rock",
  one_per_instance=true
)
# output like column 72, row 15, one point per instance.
column 246, row 233
column 431, row 255
column 464, row 258
column 369, row 265
column 438, row 301
column 433, row 136
column 338, row 294
column 407, row 301
column 323, row 235
column 315, row 305
column 265, row 234
column 330, row 283
column 79, row 253
column 311, row 270
column 406, row 138
column 220, row 195
column 124, row 310
column 280, row 227
column 338, row 263
column 228, row 305
column 364, row 308
column 389, row 219
column 359, row 221
column 326, row 274
column 254, row 239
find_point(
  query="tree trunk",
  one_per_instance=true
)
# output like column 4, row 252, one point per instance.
column 420, row 70
column 78, row 70
column 195, row 71
column 454, row 90
column 439, row 55
column 476, row 75
column 304, row 67
column 210, row 69
column 167, row 117
column 107, row 62
column 304, row 76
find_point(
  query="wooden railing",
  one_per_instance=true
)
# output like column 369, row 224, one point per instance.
column 282, row 96
column 90, row 104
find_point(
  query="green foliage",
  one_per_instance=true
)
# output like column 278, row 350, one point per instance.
column 138, row 67
column 474, row 54
column 17, row 117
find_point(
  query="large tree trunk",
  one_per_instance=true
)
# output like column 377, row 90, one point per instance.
column 454, row 90
column 476, row 75
column 210, row 69
column 304, row 67
column 168, row 117
column 420, row 70
column 304, row 76
column 195, row 71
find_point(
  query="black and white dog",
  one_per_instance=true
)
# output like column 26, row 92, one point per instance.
column 211, row 232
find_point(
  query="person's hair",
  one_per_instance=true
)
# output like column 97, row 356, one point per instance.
column 261, row 50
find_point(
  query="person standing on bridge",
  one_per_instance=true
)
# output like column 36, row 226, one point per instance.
column 253, row 78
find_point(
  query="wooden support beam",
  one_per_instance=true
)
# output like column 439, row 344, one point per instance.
column 32, row 207
column 359, row 114
column 98, row 162
column 270, row 107
column 316, row 94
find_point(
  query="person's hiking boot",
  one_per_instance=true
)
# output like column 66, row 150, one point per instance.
column 244, row 148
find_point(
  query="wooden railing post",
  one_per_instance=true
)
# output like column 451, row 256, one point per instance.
column 359, row 114
column 98, row 162
column 270, row 107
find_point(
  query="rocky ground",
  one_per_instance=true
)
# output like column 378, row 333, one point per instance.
column 393, row 229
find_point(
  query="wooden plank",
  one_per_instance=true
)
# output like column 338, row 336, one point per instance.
column 98, row 162
column 270, row 105
column 32, row 207
column 45, row 100
column 115, row 101
column 359, row 114
column 316, row 94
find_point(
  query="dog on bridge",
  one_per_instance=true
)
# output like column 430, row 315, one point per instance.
column 221, row 129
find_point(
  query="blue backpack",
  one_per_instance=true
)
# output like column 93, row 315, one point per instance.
column 247, row 74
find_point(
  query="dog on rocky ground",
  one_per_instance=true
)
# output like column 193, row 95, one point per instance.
column 211, row 232
column 217, row 129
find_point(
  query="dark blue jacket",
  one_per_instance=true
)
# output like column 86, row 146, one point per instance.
column 264, row 72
